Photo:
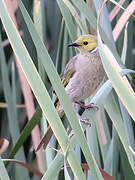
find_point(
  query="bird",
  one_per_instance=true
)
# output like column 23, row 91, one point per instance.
column 82, row 75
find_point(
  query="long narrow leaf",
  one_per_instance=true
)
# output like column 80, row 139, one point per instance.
column 3, row 172
column 51, row 71
column 39, row 88
column 114, row 113
column 26, row 132
column 11, row 111
column 126, row 96
column 68, row 19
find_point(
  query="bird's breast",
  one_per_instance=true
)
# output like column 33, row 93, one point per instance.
column 89, row 73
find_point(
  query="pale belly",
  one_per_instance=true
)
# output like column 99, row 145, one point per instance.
column 84, row 82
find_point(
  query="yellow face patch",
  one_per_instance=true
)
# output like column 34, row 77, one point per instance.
column 87, row 42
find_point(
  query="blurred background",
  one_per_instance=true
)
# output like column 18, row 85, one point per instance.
column 57, row 25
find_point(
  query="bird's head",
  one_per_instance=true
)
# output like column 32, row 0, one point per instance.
column 85, row 43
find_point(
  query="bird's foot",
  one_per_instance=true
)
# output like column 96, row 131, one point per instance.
column 85, row 120
column 91, row 105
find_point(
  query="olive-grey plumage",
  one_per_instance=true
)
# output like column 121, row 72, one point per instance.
column 82, row 75
column 88, row 74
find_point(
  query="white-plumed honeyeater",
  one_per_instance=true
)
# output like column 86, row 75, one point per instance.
column 82, row 75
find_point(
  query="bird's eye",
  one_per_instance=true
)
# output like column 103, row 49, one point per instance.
column 85, row 42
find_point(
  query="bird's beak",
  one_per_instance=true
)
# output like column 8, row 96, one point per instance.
column 73, row 44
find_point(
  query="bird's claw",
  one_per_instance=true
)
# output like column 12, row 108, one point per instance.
column 91, row 105
column 85, row 120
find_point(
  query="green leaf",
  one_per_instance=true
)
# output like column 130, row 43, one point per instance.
column 113, row 111
column 3, row 171
column 82, row 6
column 26, row 132
column 59, row 89
column 38, row 86
column 11, row 111
column 68, row 19
column 127, row 96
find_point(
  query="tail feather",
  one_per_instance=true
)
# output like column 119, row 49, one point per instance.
column 46, row 138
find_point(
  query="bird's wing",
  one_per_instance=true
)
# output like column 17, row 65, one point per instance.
column 65, row 78
column 69, row 71
column 71, row 64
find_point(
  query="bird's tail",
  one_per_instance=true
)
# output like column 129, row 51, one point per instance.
column 46, row 138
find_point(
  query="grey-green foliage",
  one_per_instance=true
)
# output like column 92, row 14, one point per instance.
column 112, row 129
